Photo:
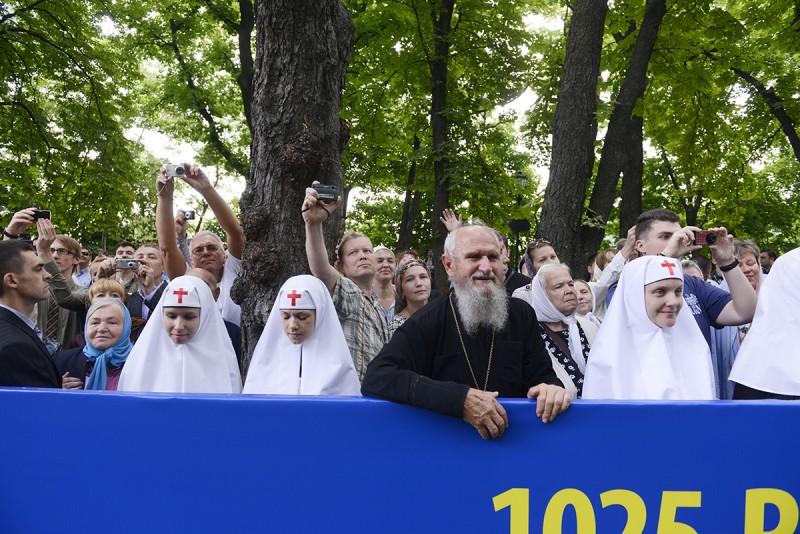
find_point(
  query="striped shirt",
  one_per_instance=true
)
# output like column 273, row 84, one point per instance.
column 363, row 323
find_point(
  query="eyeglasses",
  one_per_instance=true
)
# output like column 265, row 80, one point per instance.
column 84, row 253
column 61, row 252
column 538, row 242
column 211, row 248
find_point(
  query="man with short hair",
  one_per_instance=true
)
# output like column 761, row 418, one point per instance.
column 458, row 354
column 124, row 250
column 60, row 253
column 24, row 359
column 150, row 281
column 658, row 232
column 207, row 249
column 357, row 304
column 767, row 257
column 81, row 275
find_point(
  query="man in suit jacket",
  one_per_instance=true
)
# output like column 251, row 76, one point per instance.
column 24, row 359
column 150, row 278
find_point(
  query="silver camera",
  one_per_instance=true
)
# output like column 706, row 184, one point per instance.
column 126, row 263
column 173, row 169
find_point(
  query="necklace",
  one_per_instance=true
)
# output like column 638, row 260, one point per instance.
column 464, row 348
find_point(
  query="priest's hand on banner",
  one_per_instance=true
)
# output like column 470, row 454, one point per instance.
column 482, row 411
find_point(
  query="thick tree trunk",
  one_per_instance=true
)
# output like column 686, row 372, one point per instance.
column 631, row 205
column 302, row 51
column 441, row 183
column 618, row 151
column 574, row 130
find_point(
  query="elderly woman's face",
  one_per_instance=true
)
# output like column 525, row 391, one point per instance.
column 561, row 291
column 585, row 300
column 104, row 327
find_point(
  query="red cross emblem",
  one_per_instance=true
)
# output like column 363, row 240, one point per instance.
column 294, row 295
column 669, row 266
column 180, row 292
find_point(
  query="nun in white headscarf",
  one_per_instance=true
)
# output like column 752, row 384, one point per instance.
column 302, row 350
column 184, row 346
column 566, row 336
column 768, row 363
column 649, row 346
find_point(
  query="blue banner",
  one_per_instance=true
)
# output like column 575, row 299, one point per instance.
column 105, row 462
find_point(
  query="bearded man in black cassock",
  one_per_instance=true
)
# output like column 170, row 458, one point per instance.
column 462, row 351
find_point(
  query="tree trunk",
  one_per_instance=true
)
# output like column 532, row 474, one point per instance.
column 574, row 130
column 410, row 204
column 302, row 51
column 441, row 180
column 631, row 205
column 618, row 150
column 775, row 104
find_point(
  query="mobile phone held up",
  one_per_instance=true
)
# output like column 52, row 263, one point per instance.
column 41, row 214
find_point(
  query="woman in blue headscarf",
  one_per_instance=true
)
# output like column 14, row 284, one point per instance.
column 99, row 363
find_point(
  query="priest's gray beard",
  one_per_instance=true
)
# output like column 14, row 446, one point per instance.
column 477, row 308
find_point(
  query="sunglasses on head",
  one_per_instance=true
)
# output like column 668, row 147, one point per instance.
column 538, row 242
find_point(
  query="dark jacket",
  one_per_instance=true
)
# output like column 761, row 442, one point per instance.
column 135, row 301
column 24, row 360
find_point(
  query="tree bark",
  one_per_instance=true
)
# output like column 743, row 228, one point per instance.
column 574, row 130
column 410, row 204
column 618, row 151
column 631, row 205
column 302, row 52
column 441, row 19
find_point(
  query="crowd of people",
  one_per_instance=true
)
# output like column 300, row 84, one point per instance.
column 643, row 322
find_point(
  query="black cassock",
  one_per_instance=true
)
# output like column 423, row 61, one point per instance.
column 424, row 363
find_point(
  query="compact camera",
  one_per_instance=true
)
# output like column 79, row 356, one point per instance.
column 41, row 214
column 188, row 215
column 172, row 169
column 327, row 193
column 126, row 263
column 704, row 238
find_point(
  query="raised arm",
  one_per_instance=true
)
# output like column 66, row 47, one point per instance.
column 174, row 262
column 196, row 178
column 65, row 297
column 314, row 214
column 742, row 307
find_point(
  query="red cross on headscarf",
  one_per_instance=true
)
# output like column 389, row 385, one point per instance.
column 180, row 292
column 294, row 295
column 669, row 266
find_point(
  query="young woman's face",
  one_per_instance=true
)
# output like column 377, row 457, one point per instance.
column 663, row 300
column 104, row 327
column 181, row 323
column 543, row 256
column 298, row 325
column 416, row 284
column 585, row 300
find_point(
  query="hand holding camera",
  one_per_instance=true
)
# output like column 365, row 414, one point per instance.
column 24, row 219
column 319, row 203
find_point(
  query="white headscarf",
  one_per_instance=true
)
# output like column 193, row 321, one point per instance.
column 204, row 364
column 546, row 312
column 768, row 358
column 633, row 358
column 327, row 366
